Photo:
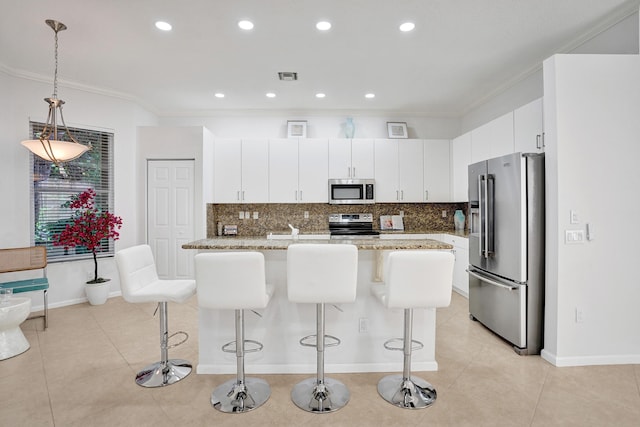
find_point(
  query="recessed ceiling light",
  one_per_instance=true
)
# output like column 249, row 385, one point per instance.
column 245, row 25
column 370, row 95
column 320, row 95
column 407, row 26
column 219, row 95
column 323, row 25
column 270, row 95
column 164, row 26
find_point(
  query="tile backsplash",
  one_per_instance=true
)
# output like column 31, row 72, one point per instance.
column 275, row 217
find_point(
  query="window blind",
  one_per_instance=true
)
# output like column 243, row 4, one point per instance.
column 53, row 186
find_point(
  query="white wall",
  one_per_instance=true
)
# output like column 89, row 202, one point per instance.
column 319, row 125
column 621, row 37
column 592, row 105
column 22, row 101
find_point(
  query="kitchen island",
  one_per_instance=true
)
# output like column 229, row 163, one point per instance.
column 362, row 326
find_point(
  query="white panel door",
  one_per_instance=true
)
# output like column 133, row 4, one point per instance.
column 170, row 216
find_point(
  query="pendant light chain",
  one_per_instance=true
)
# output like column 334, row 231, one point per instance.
column 55, row 73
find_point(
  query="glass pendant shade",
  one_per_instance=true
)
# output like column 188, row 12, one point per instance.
column 48, row 146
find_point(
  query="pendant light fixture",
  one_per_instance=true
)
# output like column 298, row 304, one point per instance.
column 48, row 146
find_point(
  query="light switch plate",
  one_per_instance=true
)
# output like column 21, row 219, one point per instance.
column 572, row 237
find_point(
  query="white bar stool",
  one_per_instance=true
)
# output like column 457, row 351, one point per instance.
column 319, row 274
column 235, row 280
column 139, row 283
column 413, row 279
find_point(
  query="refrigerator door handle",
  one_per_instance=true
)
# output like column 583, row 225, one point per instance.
column 491, row 282
column 489, row 186
column 480, row 216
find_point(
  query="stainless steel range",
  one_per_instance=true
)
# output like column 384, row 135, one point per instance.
column 352, row 226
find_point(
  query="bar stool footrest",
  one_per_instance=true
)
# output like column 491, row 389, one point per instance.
column 415, row 345
column 230, row 347
column 184, row 340
column 306, row 341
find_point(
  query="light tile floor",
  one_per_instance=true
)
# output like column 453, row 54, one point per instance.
column 80, row 372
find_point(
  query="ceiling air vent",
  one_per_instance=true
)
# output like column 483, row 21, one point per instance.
column 287, row 76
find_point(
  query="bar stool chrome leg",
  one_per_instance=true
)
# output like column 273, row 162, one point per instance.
column 166, row 371
column 242, row 394
column 320, row 395
column 404, row 390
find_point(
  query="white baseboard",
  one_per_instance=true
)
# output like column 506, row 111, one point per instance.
column 609, row 359
column 311, row 368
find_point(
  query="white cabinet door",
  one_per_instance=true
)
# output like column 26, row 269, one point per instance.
column 528, row 128
column 386, row 170
column 410, row 170
column 339, row 159
column 492, row 139
column 227, row 171
column 255, row 171
column 461, row 158
column 461, row 252
column 437, row 173
column 362, row 158
column 283, row 170
column 313, row 167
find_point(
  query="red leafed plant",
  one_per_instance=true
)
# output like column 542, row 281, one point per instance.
column 89, row 226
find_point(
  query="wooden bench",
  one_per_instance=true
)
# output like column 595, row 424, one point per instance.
column 23, row 259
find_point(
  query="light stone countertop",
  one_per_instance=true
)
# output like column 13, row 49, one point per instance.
column 262, row 243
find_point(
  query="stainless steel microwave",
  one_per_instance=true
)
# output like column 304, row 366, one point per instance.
column 351, row 191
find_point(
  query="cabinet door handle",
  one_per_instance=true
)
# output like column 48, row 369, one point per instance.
column 401, row 194
column 354, row 171
column 544, row 144
column 295, row 194
column 238, row 195
column 397, row 195
column 300, row 195
column 243, row 195
column 426, row 194
column 538, row 142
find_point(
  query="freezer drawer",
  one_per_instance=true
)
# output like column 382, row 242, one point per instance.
column 499, row 305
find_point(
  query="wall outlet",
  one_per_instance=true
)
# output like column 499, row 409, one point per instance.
column 579, row 315
column 255, row 215
column 444, row 214
column 241, row 215
column 573, row 217
column 306, row 214
column 247, row 215
column 363, row 325
column 402, row 213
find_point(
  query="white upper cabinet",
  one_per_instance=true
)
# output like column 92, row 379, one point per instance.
column 461, row 158
column 437, row 162
column 255, row 171
column 240, row 169
column 399, row 170
column 298, row 170
column 351, row 158
column 313, row 170
column 528, row 128
column 492, row 139
column 227, row 170
column 411, row 170
column 283, row 170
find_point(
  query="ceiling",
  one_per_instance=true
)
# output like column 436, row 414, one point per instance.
column 461, row 51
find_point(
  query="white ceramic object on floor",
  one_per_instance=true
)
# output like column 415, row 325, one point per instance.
column 98, row 293
column 12, row 314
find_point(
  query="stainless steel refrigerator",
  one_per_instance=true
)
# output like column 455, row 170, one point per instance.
column 506, row 248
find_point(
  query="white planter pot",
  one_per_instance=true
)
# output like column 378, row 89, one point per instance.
column 97, row 293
